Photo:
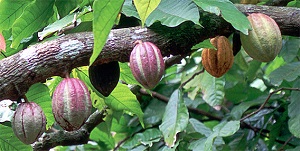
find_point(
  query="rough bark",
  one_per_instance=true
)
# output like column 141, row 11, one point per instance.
column 55, row 57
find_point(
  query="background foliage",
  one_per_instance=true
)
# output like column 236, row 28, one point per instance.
column 197, row 112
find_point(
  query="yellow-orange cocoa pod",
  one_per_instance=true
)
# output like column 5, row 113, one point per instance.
column 249, row 1
column 218, row 62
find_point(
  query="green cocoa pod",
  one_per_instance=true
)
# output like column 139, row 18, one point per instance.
column 105, row 77
column 264, row 41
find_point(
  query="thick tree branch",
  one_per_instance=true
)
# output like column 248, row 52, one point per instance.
column 65, row 138
column 43, row 60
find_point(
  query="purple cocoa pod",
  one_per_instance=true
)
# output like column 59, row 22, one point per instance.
column 29, row 122
column 71, row 104
column 147, row 64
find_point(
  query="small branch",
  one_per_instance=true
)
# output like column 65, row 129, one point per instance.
column 191, row 78
column 285, row 143
column 66, row 138
column 268, row 98
column 193, row 110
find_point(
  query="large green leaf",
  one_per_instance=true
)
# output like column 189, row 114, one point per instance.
column 9, row 13
column 126, row 74
column 173, row 12
column 9, row 142
column 288, row 72
column 197, row 145
column 212, row 89
column 148, row 137
column 34, row 17
column 225, row 129
column 56, row 26
column 175, row 118
column 239, row 110
column 294, row 112
column 105, row 12
column 290, row 48
column 200, row 127
column 128, row 9
column 145, row 8
column 228, row 11
column 103, row 130
column 39, row 93
column 122, row 98
column 65, row 6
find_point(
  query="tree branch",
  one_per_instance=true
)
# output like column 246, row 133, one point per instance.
column 66, row 138
column 266, row 101
column 53, row 58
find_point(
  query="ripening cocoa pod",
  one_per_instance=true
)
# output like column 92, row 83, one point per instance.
column 147, row 64
column 249, row 1
column 264, row 41
column 71, row 104
column 105, row 77
column 29, row 122
column 218, row 62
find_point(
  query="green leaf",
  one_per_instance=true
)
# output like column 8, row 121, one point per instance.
column 126, row 74
column 225, row 129
column 121, row 98
column 200, row 127
column 105, row 13
column 228, row 11
column 212, row 89
column 104, row 131
column 204, row 44
column 290, row 48
column 197, row 145
column 34, row 17
column 208, row 145
column 295, row 3
column 39, row 93
column 175, row 118
column 56, row 26
column 9, row 13
column 128, row 9
column 145, row 8
column 154, row 112
column 173, row 12
column 288, row 72
column 9, row 142
column 294, row 112
column 239, row 110
column 65, row 6
column 148, row 137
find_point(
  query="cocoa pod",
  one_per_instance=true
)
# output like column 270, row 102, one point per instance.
column 218, row 62
column 249, row 1
column 147, row 64
column 105, row 77
column 29, row 122
column 264, row 41
column 71, row 104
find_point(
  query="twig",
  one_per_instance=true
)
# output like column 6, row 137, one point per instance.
column 191, row 78
column 285, row 143
column 268, row 98
column 193, row 110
